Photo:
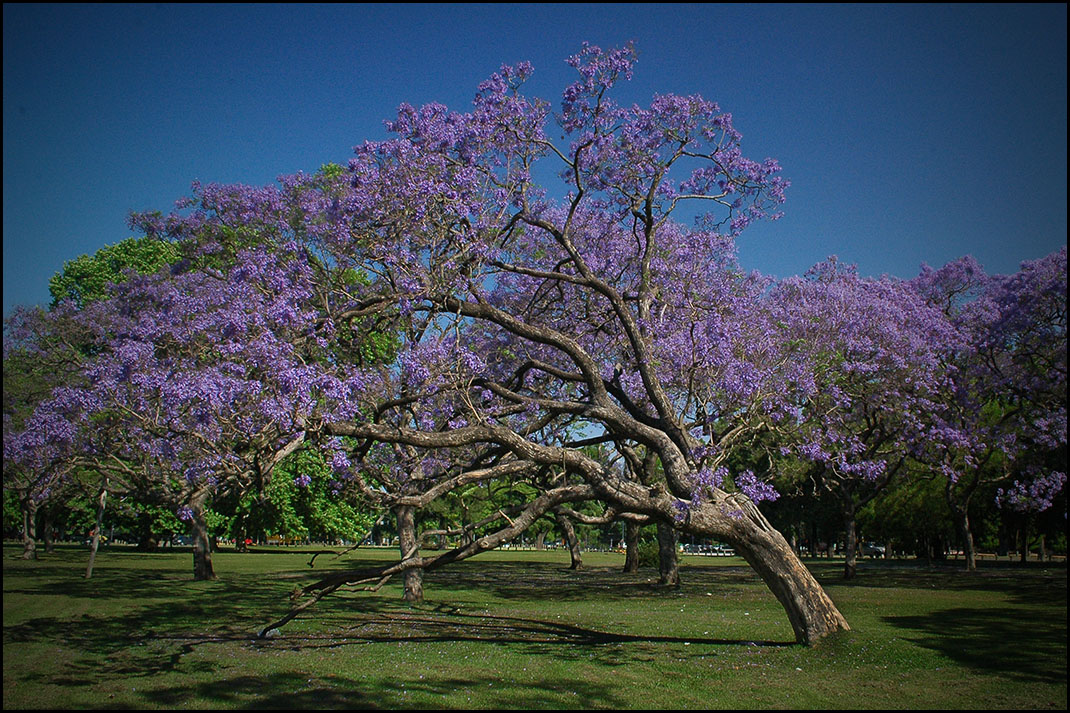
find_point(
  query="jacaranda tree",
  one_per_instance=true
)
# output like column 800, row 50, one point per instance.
column 1002, row 421
column 869, row 361
column 439, row 314
column 586, row 309
column 534, row 318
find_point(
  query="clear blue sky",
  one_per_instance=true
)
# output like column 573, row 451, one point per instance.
column 911, row 133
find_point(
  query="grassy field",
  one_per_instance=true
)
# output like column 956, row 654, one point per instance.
column 519, row 630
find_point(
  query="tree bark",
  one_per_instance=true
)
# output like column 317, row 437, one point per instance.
column 1025, row 539
column 95, row 542
column 409, row 547
column 29, row 527
column 810, row 611
column 850, row 559
column 202, row 543
column 668, row 562
column 960, row 512
column 568, row 531
column 146, row 541
column 631, row 547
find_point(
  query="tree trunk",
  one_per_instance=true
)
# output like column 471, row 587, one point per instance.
column 1004, row 547
column 540, row 540
column 969, row 548
column 631, row 547
column 958, row 500
column 29, row 527
column 811, row 612
column 409, row 546
column 568, row 532
column 850, row 558
column 668, row 562
column 146, row 541
column 47, row 530
column 1025, row 539
column 95, row 542
column 961, row 514
column 202, row 543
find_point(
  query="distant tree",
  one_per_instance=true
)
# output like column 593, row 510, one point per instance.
column 41, row 361
column 91, row 278
column 910, row 516
column 1003, row 418
column 305, row 499
column 44, row 352
column 868, row 357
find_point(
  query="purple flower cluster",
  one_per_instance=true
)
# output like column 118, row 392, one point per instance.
column 1034, row 495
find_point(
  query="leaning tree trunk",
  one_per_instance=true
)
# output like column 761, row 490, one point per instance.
column 569, row 533
column 811, row 612
column 202, row 542
column 631, row 547
column 95, row 542
column 409, row 546
column 668, row 562
column 29, row 527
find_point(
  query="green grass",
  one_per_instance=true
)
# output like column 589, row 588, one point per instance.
column 519, row 630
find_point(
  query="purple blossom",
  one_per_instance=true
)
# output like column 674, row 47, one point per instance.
column 1035, row 495
column 755, row 489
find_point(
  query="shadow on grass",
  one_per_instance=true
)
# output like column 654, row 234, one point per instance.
column 554, row 583
column 118, row 648
column 147, row 616
column 137, row 619
column 146, row 622
column 993, row 641
column 447, row 624
column 1006, row 640
column 291, row 691
column 1026, row 583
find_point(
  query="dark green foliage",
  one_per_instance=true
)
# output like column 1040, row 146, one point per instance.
column 320, row 511
column 648, row 552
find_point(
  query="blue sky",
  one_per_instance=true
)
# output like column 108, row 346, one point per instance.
column 910, row 133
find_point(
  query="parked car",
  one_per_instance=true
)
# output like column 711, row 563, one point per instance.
column 872, row 549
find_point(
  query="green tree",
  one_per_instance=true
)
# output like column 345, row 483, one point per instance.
column 86, row 279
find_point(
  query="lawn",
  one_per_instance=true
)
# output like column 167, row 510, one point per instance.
column 520, row 630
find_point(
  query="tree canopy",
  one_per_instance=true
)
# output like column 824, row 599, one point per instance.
column 438, row 314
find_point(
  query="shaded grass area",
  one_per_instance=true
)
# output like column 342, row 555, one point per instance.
column 521, row 630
